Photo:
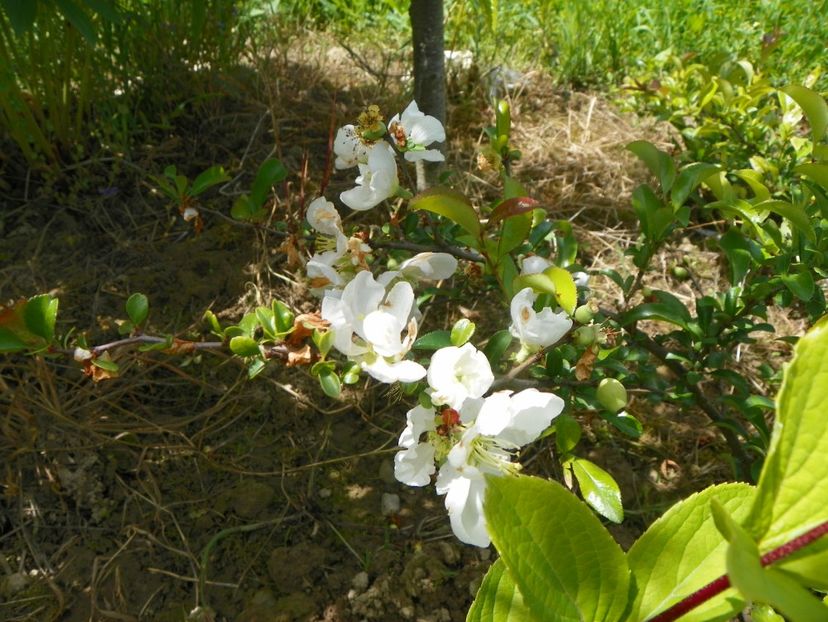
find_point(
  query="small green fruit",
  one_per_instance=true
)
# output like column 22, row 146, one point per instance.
column 681, row 273
column 612, row 395
column 586, row 312
column 584, row 336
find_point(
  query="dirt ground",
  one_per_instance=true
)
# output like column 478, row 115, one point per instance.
column 181, row 484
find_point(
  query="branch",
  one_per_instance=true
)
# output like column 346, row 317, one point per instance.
column 460, row 253
column 722, row 583
column 701, row 399
column 176, row 346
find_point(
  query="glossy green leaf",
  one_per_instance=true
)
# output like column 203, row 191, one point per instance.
column 330, row 383
column 498, row 599
column 212, row 320
column 796, row 214
column 270, row 173
column 40, row 315
column 450, row 204
column 814, row 107
column 513, row 233
column 768, row 585
column 683, row 551
column 212, row 176
column 599, row 489
column 267, row 320
column 137, row 308
column 555, row 281
column 653, row 216
column 660, row 164
column 556, row 550
column 21, row 14
column 626, row 424
column 738, row 252
column 497, row 346
column 793, row 485
column 9, row 341
column 283, row 315
column 461, row 332
column 688, row 180
column 244, row 346
column 433, row 340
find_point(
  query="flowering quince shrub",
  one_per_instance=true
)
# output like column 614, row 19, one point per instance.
column 466, row 423
column 705, row 559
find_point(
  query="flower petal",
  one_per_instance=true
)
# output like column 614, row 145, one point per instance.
column 415, row 466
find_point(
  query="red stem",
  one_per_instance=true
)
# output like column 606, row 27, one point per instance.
column 722, row 583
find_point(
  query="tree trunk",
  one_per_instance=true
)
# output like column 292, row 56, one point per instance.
column 429, row 74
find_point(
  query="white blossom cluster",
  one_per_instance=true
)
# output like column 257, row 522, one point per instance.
column 463, row 435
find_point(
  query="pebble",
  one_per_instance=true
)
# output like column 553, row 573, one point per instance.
column 390, row 504
column 386, row 472
column 360, row 581
column 324, row 493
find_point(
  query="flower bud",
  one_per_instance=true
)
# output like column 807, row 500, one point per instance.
column 612, row 395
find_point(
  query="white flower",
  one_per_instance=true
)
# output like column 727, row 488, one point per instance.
column 368, row 323
column 349, row 148
column 537, row 330
column 534, row 265
column 430, row 266
column 476, row 441
column 581, row 279
column 323, row 217
column 377, row 180
column 456, row 374
column 415, row 131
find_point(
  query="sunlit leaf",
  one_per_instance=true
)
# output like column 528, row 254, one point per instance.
column 451, row 204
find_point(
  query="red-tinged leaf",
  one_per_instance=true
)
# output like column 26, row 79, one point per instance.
column 512, row 207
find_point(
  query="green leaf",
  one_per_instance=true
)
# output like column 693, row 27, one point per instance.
column 244, row 209
column 737, row 250
column 212, row 176
column 10, row 342
column 329, row 381
column 683, row 551
column 451, row 204
column 513, row 234
column 599, row 489
column 553, row 280
column 498, row 599
column 213, row 321
column 688, row 180
column 78, row 18
column 556, row 550
column 626, row 424
column 796, row 214
column 137, row 308
column 653, row 311
column 567, row 434
column 654, row 217
column 270, row 173
column 267, row 320
column 768, row 585
column 660, row 164
column 433, row 340
column 21, row 14
column 106, row 364
column 244, row 346
column 814, row 107
column 497, row 346
column 323, row 340
column 793, row 484
column 800, row 281
column 461, row 332
column 257, row 365
column 40, row 315
column 284, row 316
column 817, row 172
